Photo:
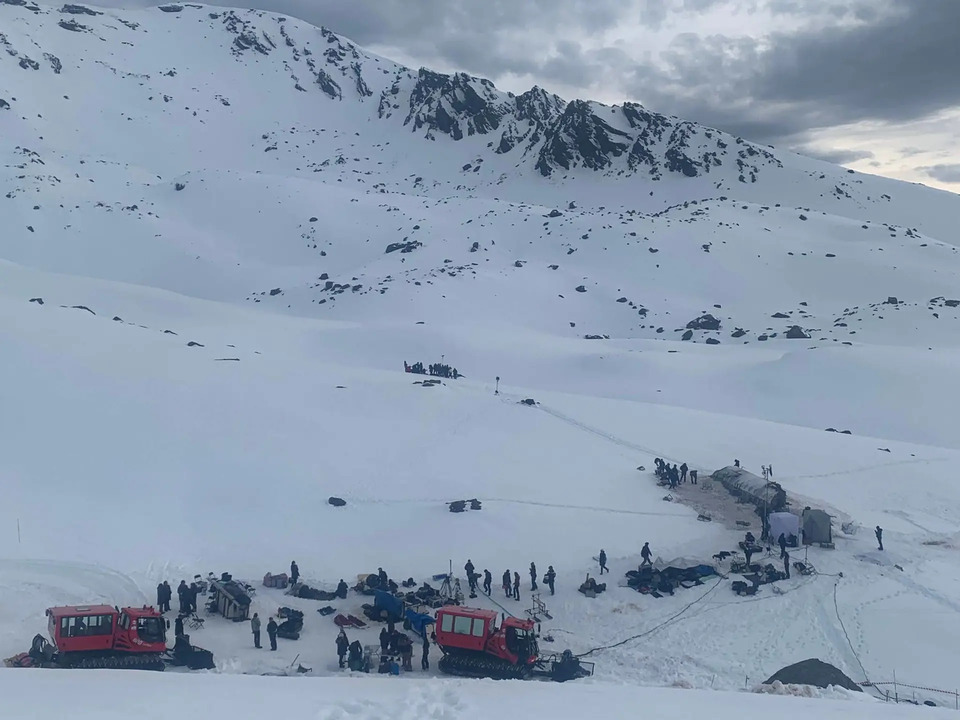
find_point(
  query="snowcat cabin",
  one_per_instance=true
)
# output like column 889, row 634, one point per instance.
column 465, row 628
column 141, row 630
column 82, row 628
column 520, row 640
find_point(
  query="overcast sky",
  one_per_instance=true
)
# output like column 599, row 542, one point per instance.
column 871, row 84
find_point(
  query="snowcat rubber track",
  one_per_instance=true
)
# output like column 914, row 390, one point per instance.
column 481, row 666
column 126, row 661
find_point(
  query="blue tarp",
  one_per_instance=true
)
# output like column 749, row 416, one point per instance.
column 419, row 621
column 385, row 601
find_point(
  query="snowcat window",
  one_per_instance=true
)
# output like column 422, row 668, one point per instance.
column 478, row 627
column 446, row 625
column 104, row 625
column 74, row 627
column 461, row 625
column 150, row 629
column 125, row 621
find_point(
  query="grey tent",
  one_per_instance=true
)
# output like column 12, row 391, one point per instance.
column 816, row 527
column 814, row 672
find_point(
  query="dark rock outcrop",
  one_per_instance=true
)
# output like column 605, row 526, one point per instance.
column 704, row 322
column 813, row 672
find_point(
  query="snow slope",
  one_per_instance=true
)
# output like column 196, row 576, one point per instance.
column 204, row 206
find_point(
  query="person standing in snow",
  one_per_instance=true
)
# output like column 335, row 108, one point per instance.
column 425, row 658
column 506, row 583
column 516, row 586
column 194, row 591
column 487, row 582
column 342, row 589
column 693, row 477
column 160, row 597
column 255, row 629
column 272, row 632
column 782, row 542
column 646, row 554
column 183, row 595
column 550, row 578
column 384, row 640
column 533, row 577
column 683, row 473
column 879, row 533
column 294, row 572
column 736, row 462
column 471, row 579
column 603, row 562
column 786, row 564
column 343, row 644
column 178, row 626
column 167, row 596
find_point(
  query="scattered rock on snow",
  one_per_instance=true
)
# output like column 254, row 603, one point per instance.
column 704, row 322
column 796, row 333
column 38, row 301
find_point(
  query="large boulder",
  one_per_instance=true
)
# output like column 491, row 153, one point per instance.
column 704, row 322
column 813, row 672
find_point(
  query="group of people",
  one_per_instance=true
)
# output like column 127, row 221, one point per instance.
column 436, row 370
column 510, row 581
column 352, row 651
column 187, row 595
column 673, row 475
column 272, row 628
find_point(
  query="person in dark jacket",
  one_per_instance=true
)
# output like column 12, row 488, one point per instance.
column 167, row 596
column 272, row 632
column 406, row 652
column 194, row 591
column 533, row 577
column 683, row 472
column 425, row 657
column 506, row 583
column 178, row 626
column 879, row 533
column 160, row 593
column 255, row 629
column 786, row 564
column 782, row 542
column 603, row 562
column 550, row 578
column 384, row 640
column 693, row 477
column 183, row 595
column 355, row 656
column 646, row 554
column 342, row 589
column 516, row 586
column 487, row 582
column 343, row 644
column 384, row 580
column 294, row 572
column 471, row 578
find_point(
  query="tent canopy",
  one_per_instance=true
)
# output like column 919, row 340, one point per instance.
column 786, row 523
column 816, row 527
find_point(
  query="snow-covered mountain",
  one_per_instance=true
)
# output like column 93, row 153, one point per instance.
column 222, row 232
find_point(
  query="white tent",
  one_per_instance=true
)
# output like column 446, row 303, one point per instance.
column 786, row 523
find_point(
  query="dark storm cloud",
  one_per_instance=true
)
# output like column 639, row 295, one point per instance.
column 895, row 65
column 943, row 173
column 838, row 157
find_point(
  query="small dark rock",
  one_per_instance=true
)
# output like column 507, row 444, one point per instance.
column 194, row 344
column 738, row 333
column 796, row 333
column 275, row 291
column 891, row 301
column 529, row 401
column 337, row 502
column 581, row 289
column 712, row 341
column 780, row 316
column 117, row 318
column 38, row 301
column 83, row 307
column 687, row 335
column 554, row 214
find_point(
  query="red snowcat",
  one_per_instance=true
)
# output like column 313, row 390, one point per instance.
column 473, row 646
column 99, row 636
